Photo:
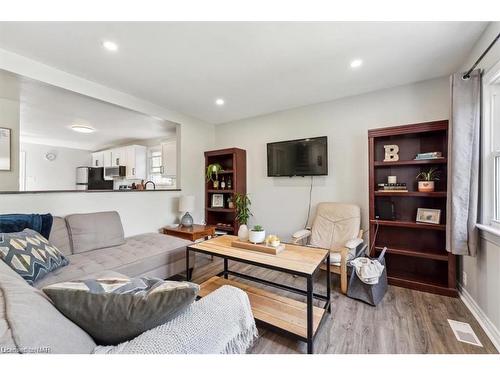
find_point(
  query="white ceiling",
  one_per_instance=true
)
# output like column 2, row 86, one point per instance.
column 47, row 113
column 257, row 68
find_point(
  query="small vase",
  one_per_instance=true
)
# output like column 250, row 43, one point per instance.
column 243, row 232
column 426, row 186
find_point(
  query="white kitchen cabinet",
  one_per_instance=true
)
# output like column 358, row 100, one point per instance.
column 106, row 157
column 98, row 159
column 169, row 158
column 118, row 157
column 136, row 162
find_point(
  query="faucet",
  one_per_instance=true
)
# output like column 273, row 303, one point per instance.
column 154, row 186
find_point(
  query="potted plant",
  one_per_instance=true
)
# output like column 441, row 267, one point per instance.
column 426, row 180
column 243, row 213
column 257, row 234
column 213, row 170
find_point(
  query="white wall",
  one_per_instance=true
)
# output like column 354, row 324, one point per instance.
column 280, row 204
column 9, row 118
column 59, row 174
column 140, row 211
column 483, row 271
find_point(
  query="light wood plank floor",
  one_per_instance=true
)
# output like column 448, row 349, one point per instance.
column 406, row 321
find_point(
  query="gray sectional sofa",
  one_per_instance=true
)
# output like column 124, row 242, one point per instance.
column 95, row 245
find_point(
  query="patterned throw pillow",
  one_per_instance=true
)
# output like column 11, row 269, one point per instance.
column 30, row 254
column 114, row 310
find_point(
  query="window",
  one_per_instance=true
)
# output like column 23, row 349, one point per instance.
column 491, row 148
column 155, row 169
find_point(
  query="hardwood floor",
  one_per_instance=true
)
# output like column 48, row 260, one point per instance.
column 406, row 321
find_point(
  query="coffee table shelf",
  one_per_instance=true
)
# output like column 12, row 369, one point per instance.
column 293, row 317
column 270, row 308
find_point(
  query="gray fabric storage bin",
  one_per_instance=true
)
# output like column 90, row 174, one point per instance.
column 371, row 294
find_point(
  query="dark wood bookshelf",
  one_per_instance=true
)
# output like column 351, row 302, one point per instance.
column 233, row 162
column 416, row 257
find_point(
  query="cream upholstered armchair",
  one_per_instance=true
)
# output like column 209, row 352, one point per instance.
column 336, row 226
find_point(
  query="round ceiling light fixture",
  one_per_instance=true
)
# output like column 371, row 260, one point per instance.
column 219, row 101
column 82, row 129
column 356, row 63
column 110, row 46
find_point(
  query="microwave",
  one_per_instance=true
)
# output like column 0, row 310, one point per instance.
column 110, row 172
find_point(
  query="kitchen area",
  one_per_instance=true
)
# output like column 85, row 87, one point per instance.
column 65, row 141
column 131, row 167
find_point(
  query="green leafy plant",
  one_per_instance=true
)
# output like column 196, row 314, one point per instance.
column 243, row 213
column 432, row 174
column 213, row 169
column 257, row 228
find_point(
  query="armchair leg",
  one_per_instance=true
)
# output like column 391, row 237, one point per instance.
column 343, row 281
column 343, row 271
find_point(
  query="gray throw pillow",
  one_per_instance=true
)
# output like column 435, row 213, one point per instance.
column 115, row 310
column 30, row 254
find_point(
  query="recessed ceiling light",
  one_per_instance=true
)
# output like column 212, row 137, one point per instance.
column 219, row 101
column 82, row 128
column 110, row 46
column 356, row 63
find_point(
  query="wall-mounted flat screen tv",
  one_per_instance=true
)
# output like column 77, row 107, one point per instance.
column 301, row 157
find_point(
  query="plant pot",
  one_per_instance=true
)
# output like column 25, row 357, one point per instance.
column 243, row 232
column 426, row 186
column 256, row 236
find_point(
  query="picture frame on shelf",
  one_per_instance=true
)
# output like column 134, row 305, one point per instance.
column 428, row 215
column 217, row 200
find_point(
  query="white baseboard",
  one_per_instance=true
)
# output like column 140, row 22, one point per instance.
column 489, row 328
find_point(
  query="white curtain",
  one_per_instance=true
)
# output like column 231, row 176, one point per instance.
column 463, row 164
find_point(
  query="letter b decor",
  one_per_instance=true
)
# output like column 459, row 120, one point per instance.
column 391, row 153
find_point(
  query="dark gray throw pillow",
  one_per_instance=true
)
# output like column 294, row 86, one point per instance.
column 30, row 254
column 114, row 310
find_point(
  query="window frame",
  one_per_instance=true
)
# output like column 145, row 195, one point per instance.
column 490, row 181
column 150, row 150
column 495, row 219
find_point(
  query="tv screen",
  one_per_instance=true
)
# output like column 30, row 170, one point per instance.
column 301, row 157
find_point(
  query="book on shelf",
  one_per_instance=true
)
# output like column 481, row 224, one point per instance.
column 400, row 187
column 429, row 156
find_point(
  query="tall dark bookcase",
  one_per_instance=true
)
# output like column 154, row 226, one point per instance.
column 234, row 165
column 416, row 257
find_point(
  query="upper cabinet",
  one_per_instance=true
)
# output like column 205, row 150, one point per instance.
column 133, row 157
column 106, row 157
column 135, row 162
column 169, row 158
column 98, row 159
column 118, row 157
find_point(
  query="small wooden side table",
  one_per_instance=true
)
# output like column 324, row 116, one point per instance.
column 190, row 233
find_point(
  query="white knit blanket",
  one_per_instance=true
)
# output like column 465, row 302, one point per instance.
column 220, row 323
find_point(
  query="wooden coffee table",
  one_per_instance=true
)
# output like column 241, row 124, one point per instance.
column 298, row 319
column 192, row 233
